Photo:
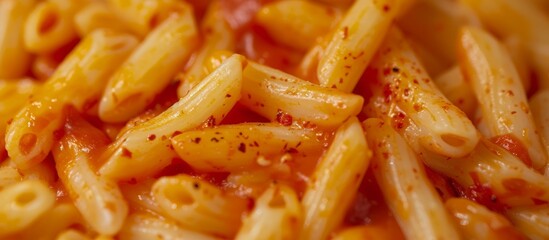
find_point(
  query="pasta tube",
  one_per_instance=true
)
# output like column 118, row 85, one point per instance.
column 146, row 148
column 497, row 86
column 78, row 82
column 405, row 186
column 277, row 214
column 238, row 147
column 23, row 203
column 341, row 167
column 149, row 69
column 14, row 58
column 217, row 35
column 403, row 88
column 281, row 97
column 352, row 45
column 199, row 205
column 97, row 198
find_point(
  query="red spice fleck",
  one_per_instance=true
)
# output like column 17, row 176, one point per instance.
column 242, row 147
column 386, row 8
column 151, row 137
column 284, row 118
column 126, row 153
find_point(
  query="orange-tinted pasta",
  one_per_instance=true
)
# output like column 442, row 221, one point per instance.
column 274, row 119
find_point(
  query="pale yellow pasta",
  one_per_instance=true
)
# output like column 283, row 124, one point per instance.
column 139, row 197
column 274, row 94
column 491, row 170
column 443, row 19
column 97, row 15
column 475, row 221
column 407, row 190
column 145, row 226
column 341, row 167
column 242, row 146
column 217, row 35
column 454, row 87
column 97, row 198
column 533, row 221
column 296, row 23
column 521, row 19
column 79, row 81
column 23, row 203
column 353, row 45
column 50, row 25
column 10, row 174
column 52, row 223
column 13, row 95
column 14, row 59
column 144, row 15
column 150, row 68
column 277, row 214
column 490, row 71
column 403, row 90
column 540, row 113
column 209, row 102
column 518, row 51
column 198, row 205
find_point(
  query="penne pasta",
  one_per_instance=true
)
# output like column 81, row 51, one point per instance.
column 365, row 232
column 277, row 214
column 521, row 19
column 492, row 176
column 50, row 25
column 143, row 226
column 405, row 186
column 23, row 203
column 143, row 16
column 139, row 197
column 14, row 58
column 13, row 95
column 352, row 46
column 10, row 174
column 149, row 69
column 454, row 86
column 533, row 221
column 488, row 68
column 212, row 211
column 52, row 223
column 242, row 146
column 279, row 20
column 217, row 35
column 477, row 222
column 209, row 102
column 406, row 96
column 541, row 118
column 97, row 198
column 284, row 98
column 78, row 81
column 98, row 15
column 341, row 167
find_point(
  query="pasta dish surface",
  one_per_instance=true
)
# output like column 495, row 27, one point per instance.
column 274, row 119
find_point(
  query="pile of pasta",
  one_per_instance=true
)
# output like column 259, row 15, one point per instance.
column 274, row 119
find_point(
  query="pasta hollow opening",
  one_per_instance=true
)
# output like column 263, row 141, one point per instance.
column 25, row 198
column 453, row 140
column 179, row 196
column 49, row 20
